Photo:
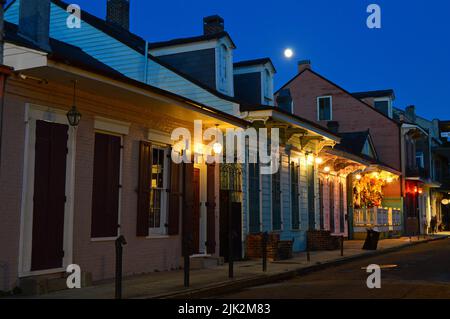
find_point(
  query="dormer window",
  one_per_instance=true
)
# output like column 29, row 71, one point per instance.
column 267, row 85
column 324, row 108
column 383, row 105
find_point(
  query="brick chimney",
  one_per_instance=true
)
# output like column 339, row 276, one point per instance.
column 410, row 113
column 333, row 126
column 284, row 100
column 118, row 13
column 34, row 22
column 303, row 65
column 213, row 24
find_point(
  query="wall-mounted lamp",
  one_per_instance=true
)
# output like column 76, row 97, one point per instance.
column 74, row 116
column 217, row 147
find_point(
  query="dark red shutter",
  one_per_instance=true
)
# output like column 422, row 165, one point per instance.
column 188, row 208
column 174, row 199
column 49, row 195
column 144, row 188
column 106, row 184
column 211, row 210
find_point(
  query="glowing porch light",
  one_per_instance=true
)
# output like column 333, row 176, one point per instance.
column 319, row 160
column 217, row 148
column 327, row 169
column 389, row 180
column 310, row 159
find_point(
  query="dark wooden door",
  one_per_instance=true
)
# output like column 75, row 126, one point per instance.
column 49, row 195
column 196, row 212
column 211, row 211
column 227, row 207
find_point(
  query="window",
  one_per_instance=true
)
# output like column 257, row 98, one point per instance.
column 223, row 66
column 157, row 212
column 324, row 108
column 420, row 159
column 384, row 105
column 267, row 86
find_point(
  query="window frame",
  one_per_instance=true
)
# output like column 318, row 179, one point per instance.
column 384, row 99
column 318, row 107
column 162, row 230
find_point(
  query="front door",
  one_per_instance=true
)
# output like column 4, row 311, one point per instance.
column 226, row 232
column 196, row 212
column 49, row 196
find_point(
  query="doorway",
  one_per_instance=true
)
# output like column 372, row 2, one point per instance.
column 49, row 198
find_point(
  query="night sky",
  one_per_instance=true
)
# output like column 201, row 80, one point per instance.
column 410, row 53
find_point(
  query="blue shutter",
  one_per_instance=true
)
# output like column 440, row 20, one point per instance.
column 254, row 198
column 295, row 209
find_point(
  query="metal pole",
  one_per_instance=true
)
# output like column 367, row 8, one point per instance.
column 230, row 240
column 187, row 266
column 308, row 255
column 264, row 251
column 119, row 250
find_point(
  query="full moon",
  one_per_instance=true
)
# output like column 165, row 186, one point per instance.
column 288, row 53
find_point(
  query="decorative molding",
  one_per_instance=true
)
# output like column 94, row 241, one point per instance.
column 113, row 126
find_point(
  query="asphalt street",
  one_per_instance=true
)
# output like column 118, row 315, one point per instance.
column 421, row 271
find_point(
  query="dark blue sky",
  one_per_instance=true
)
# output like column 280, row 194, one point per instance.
column 410, row 53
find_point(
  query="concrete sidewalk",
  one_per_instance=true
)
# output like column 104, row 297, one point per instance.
column 214, row 281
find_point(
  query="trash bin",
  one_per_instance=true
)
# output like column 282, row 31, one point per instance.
column 372, row 238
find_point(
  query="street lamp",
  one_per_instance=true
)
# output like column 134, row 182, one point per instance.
column 74, row 116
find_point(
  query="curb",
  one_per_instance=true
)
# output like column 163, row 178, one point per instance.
column 263, row 279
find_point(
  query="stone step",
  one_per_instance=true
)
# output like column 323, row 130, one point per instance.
column 44, row 284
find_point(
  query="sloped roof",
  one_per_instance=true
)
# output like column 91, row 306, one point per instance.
column 375, row 94
column 354, row 142
column 136, row 43
column 60, row 51
column 75, row 56
column 338, row 87
column 253, row 62
column 200, row 38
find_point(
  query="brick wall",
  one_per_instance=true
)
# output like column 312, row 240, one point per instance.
column 322, row 240
column 141, row 254
column 351, row 113
column 276, row 249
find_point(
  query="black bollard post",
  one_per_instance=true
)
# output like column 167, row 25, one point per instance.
column 342, row 246
column 264, row 251
column 119, row 250
column 308, row 255
column 187, row 260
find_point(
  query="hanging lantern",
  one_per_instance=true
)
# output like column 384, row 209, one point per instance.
column 74, row 116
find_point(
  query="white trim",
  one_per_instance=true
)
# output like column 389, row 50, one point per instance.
column 182, row 48
column 113, row 126
column 32, row 114
column 331, row 107
column 162, row 230
column 385, row 99
column 159, row 137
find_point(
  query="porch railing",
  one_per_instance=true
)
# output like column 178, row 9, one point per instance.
column 382, row 219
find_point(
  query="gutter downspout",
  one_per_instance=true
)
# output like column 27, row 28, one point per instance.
column 146, row 62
